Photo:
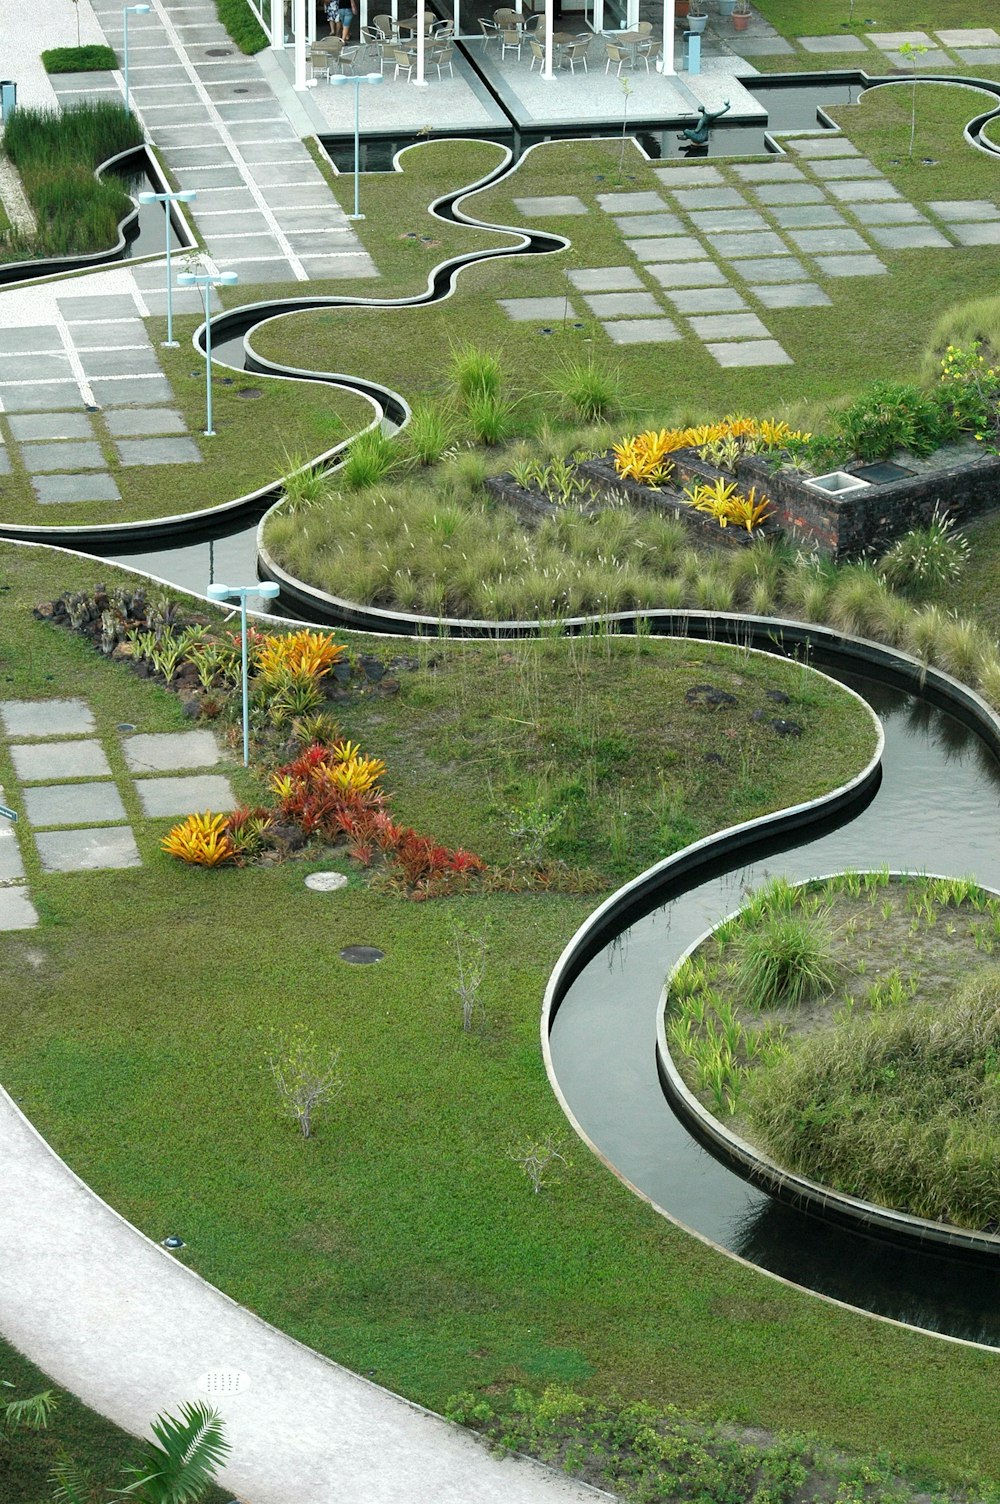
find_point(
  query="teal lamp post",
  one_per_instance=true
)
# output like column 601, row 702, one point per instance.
column 206, row 281
column 361, row 78
column 131, row 10
column 267, row 592
column 166, row 199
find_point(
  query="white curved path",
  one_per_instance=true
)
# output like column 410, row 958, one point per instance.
column 117, row 1320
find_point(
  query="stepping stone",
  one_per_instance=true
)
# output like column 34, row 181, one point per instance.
column 908, row 237
column 982, row 57
column 159, row 452
column 792, row 295
column 850, row 266
column 977, row 234
column 534, row 310
column 649, row 224
column 46, row 762
column 38, row 339
column 753, row 243
column 730, row 326
column 128, row 423
column 707, row 300
column 88, row 850
column 861, row 192
column 17, row 912
column 687, row 177
column 52, row 489
column 73, row 804
column 540, row 208
column 73, row 455
column 769, row 172
column 760, row 352
column 185, row 796
column 46, row 717
column 789, row 193
column 846, row 167
column 97, row 308
column 816, row 241
column 964, row 208
column 710, row 198
column 891, row 41
column 11, row 865
column 781, row 269
column 723, row 220
column 807, row 217
column 673, row 248
column 642, row 331
column 165, row 751
column 613, row 305
column 631, row 203
column 748, row 45
column 126, row 391
column 970, row 36
column 47, row 397
column 44, row 367
column 117, row 362
column 27, row 426
column 888, row 214
column 836, row 43
column 124, row 333
column 607, row 279
column 830, row 145
column 688, row 274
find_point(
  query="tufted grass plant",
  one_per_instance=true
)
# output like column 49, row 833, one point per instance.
column 429, row 433
column 591, row 389
column 785, row 961
column 371, row 457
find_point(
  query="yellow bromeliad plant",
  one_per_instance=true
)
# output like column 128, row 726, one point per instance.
column 202, row 840
column 304, row 654
column 723, row 501
column 642, row 457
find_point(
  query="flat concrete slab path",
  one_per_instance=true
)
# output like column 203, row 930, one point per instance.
column 116, row 1319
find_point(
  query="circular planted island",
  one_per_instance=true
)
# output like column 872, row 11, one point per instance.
column 838, row 1042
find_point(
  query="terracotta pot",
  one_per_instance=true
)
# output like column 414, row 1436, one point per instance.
column 740, row 22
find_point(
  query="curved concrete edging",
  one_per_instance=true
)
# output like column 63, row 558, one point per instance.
column 760, row 1169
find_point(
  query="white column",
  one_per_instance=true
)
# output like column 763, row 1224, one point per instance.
column 299, row 41
column 457, row 18
column 668, row 36
column 547, row 69
column 278, row 25
column 598, row 17
column 420, row 80
column 631, row 14
column 394, row 10
column 363, row 15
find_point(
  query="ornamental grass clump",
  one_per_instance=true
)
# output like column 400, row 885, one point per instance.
column 785, row 961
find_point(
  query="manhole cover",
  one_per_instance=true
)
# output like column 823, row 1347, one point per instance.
column 124, row 726
column 326, row 882
column 219, row 52
column 361, row 955
column 241, row 91
column 223, row 1381
column 249, row 393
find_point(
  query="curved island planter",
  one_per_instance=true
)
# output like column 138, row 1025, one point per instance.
column 760, row 1169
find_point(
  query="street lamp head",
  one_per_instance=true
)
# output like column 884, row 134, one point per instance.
column 336, row 79
column 263, row 588
column 226, row 279
column 219, row 592
column 137, row 10
column 373, row 78
column 184, row 196
column 267, row 590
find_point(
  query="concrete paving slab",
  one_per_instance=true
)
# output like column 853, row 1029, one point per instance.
column 4, row 462
column 850, row 266
column 888, row 214
column 48, row 396
column 710, row 198
column 789, row 193
column 753, row 243
column 730, row 326
column 979, row 57
column 676, row 248
column 688, row 274
column 83, row 307
column 166, row 751
column 649, row 224
column 185, row 796
column 117, row 362
column 50, row 489
column 969, row 36
column 707, row 300
column 977, row 234
column 124, row 391
column 38, row 338
column 122, row 334
column 613, row 305
column 88, row 850
column 688, row 177
column 277, row 269
column 835, row 43
column 828, row 145
column 761, row 352
column 814, row 242
column 846, row 167
column 908, row 237
column 720, row 221
column 314, row 196
column 555, row 204
column 642, row 332
column 807, row 216
column 606, row 279
column 45, row 762
column 70, row 454
column 17, row 912
column 792, row 295
column 73, row 804
column 631, row 203
column 770, row 269
column 964, row 208
column 934, row 57
column 746, row 44
column 531, row 310
column 24, row 718
column 28, row 426
column 34, row 367
column 891, row 41
column 203, row 178
column 862, row 192
column 127, row 423
column 150, row 451
column 769, row 172
column 11, row 863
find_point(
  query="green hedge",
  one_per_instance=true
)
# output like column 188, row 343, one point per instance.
column 91, row 59
column 242, row 25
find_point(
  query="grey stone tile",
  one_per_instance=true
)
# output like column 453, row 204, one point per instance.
column 769, row 172
column 649, row 224
column 529, row 310
column 814, row 242
column 969, row 36
column 121, row 334
column 614, row 305
column 127, row 423
column 807, row 217
column 750, row 352
column 185, row 796
column 846, row 167
column 11, row 863
column 95, row 486
column 766, row 269
column 51, row 426
column 710, row 198
column 561, row 203
column 688, row 274
column 707, row 300
column 675, row 248
column 164, row 751
column 150, row 451
column 42, row 762
column 979, row 57
column 730, row 326
column 746, row 44
column 47, row 397
column 977, row 234
column 88, row 850
column 37, row 339
column 688, row 177
column 891, row 41
column 835, row 43
column 792, row 295
column 642, row 332
column 908, row 237
column 321, row 242
column 257, row 153
column 862, row 192
column 122, row 391
column 197, row 156
column 97, row 306
column 34, row 367
column 277, row 269
column 832, row 144
column 72, row 454
column 314, row 196
column 850, row 266
column 790, row 193
column 888, row 214
column 227, row 248
column 964, row 208
column 606, row 279
column 276, row 131
column 23, row 718
column 631, row 203
column 720, row 221
column 753, row 243
column 17, row 912
column 74, row 804
column 203, row 178
column 933, row 58
column 4, row 462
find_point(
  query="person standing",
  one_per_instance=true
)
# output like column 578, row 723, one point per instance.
column 346, row 14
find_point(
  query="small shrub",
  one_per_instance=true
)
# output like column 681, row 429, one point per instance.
column 242, row 25
column 89, row 59
column 306, row 1074
column 784, row 962
column 891, row 415
column 202, row 840
column 541, row 1160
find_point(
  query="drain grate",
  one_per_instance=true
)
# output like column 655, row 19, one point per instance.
column 219, row 52
column 223, row 1381
column 361, row 955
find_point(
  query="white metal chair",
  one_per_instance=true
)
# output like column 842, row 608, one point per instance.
column 537, row 53
column 441, row 57
column 617, row 55
column 404, row 61
column 490, row 31
column 573, row 53
column 510, row 41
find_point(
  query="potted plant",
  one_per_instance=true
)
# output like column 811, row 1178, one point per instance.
column 680, row 9
column 726, row 7
column 741, row 15
column 697, row 16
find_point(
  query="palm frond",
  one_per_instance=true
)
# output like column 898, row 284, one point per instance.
column 71, row 1482
column 179, row 1466
column 32, row 1412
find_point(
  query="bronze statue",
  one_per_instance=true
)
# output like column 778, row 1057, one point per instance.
column 698, row 134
